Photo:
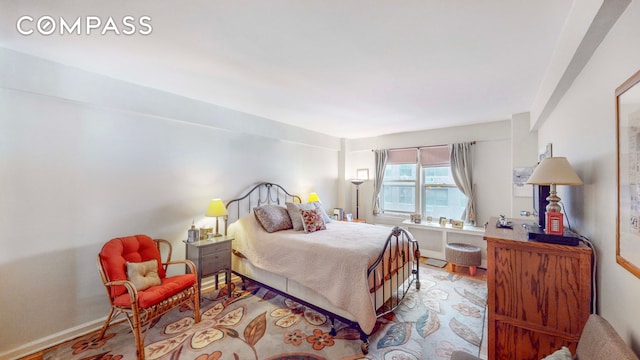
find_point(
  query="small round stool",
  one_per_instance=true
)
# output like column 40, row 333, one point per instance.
column 463, row 255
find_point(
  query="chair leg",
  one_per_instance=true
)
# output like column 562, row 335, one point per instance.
column 106, row 323
column 453, row 267
column 196, row 305
column 137, row 334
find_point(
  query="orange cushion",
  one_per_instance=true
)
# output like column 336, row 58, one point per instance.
column 116, row 252
column 155, row 294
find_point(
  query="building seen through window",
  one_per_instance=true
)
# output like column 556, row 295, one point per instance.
column 441, row 196
column 399, row 189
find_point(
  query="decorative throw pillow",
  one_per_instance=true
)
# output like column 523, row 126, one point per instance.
column 294, row 213
column 312, row 220
column 144, row 274
column 273, row 217
column 318, row 206
column 563, row 354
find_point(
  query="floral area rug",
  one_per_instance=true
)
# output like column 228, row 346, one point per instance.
column 446, row 314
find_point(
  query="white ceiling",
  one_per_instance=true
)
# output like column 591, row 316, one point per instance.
column 351, row 69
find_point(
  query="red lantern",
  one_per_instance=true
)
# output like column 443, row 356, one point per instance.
column 555, row 223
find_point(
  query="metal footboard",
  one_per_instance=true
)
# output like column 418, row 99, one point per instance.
column 400, row 250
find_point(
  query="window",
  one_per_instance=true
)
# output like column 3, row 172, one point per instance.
column 440, row 195
column 398, row 195
column 423, row 175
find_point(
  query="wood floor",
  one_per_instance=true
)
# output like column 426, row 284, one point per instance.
column 481, row 273
column 461, row 270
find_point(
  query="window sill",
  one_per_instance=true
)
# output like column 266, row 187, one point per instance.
column 448, row 228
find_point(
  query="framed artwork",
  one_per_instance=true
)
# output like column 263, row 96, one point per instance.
column 520, row 186
column 362, row 174
column 628, row 141
column 443, row 221
column 545, row 152
column 416, row 218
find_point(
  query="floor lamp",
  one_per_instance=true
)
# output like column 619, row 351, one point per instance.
column 357, row 183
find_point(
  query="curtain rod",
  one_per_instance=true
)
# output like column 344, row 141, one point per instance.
column 419, row 147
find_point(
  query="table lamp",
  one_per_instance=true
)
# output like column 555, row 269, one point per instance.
column 554, row 171
column 216, row 209
column 313, row 197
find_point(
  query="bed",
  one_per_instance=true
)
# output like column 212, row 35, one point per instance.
column 353, row 272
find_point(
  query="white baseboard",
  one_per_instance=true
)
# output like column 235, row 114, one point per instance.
column 52, row 340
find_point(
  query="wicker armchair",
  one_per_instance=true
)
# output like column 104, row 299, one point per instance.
column 142, row 306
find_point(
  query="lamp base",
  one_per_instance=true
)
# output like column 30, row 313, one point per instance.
column 554, row 222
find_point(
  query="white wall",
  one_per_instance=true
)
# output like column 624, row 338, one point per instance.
column 85, row 158
column 492, row 165
column 583, row 128
column 524, row 154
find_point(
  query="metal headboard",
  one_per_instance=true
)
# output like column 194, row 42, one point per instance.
column 263, row 193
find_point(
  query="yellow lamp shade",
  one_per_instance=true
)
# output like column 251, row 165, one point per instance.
column 313, row 197
column 216, row 208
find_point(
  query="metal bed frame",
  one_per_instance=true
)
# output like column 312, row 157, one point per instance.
column 266, row 193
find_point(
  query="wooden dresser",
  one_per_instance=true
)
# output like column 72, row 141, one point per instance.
column 539, row 294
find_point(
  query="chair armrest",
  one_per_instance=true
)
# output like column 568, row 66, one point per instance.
column 461, row 355
column 131, row 289
column 189, row 263
column 599, row 340
column 167, row 244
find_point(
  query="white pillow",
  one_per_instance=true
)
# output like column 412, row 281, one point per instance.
column 144, row 274
column 325, row 217
column 563, row 354
column 294, row 210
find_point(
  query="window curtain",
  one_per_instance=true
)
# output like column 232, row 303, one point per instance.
column 461, row 170
column 381, row 158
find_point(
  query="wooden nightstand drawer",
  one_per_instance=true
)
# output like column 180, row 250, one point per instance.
column 216, row 262
column 216, row 248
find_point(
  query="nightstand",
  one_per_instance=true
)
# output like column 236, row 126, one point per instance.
column 211, row 258
column 355, row 220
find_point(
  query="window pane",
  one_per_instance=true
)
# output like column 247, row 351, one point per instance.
column 398, row 193
column 400, row 172
column 438, row 175
column 398, row 197
column 445, row 201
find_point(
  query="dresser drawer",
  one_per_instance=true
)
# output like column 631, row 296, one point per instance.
column 215, row 262
column 214, row 248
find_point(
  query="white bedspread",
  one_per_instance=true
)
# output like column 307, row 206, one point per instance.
column 333, row 262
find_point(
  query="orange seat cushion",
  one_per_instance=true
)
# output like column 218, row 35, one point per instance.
column 155, row 294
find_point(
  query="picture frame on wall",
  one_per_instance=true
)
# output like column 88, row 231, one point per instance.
column 545, row 152
column 362, row 174
column 628, row 149
column 338, row 213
